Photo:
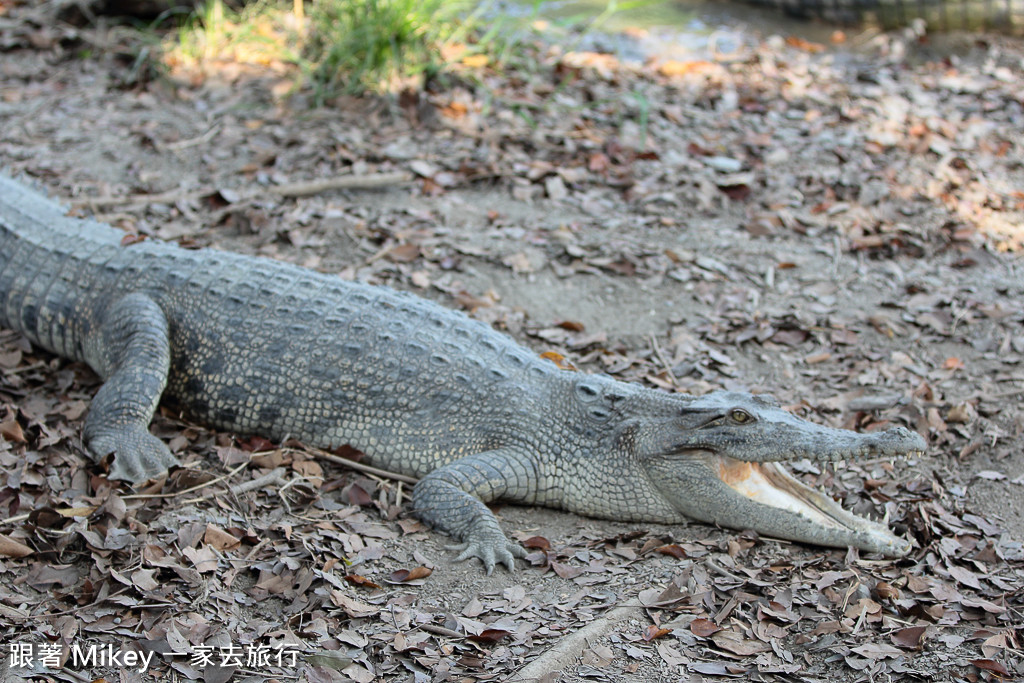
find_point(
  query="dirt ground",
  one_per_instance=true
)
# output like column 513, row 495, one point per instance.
column 840, row 226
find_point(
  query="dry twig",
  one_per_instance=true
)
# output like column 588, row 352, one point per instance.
column 299, row 189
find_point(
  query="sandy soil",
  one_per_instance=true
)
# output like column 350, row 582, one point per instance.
column 841, row 228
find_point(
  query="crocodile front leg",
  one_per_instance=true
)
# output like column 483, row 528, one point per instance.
column 131, row 352
column 452, row 497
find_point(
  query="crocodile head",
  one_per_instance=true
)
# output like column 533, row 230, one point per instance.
column 719, row 458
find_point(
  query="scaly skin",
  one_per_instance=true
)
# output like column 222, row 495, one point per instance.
column 256, row 346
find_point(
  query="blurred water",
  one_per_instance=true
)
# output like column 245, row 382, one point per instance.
column 669, row 29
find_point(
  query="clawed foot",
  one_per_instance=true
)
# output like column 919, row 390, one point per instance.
column 491, row 547
column 138, row 455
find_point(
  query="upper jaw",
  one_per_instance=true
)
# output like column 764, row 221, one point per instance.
column 818, row 443
column 770, row 442
column 891, row 443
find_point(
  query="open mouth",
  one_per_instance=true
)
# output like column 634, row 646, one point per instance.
column 769, row 484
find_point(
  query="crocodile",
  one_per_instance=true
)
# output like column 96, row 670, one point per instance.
column 256, row 346
column 1004, row 16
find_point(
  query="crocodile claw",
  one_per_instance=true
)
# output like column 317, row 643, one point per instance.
column 138, row 455
column 490, row 549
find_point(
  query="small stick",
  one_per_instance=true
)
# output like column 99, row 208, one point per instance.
column 668, row 368
column 571, row 646
column 193, row 142
column 299, row 189
column 359, row 467
column 35, row 366
column 441, row 631
column 345, row 182
column 15, row 519
column 175, row 494
column 275, row 476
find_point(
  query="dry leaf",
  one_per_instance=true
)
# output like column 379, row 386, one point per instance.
column 11, row 548
column 361, row 581
column 704, row 627
column 404, row 253
column 653, row 632
column 735, row 642
column 991, row 665
column 11, row 430
column 407, row 575
column 674, row 550
column 537, row 543
column 490, row 635
column 909, row 638
column 220, row 539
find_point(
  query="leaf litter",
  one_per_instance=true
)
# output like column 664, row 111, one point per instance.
column 839, row 224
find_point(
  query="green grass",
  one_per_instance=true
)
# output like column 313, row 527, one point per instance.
column 360, row 46
column 371, row 46
column 351, row 46
column 263, row 32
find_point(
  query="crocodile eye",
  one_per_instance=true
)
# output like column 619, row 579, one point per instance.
column 740, row 416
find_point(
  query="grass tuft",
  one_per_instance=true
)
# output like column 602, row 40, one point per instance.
column 350, row 46
column 371, row 46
